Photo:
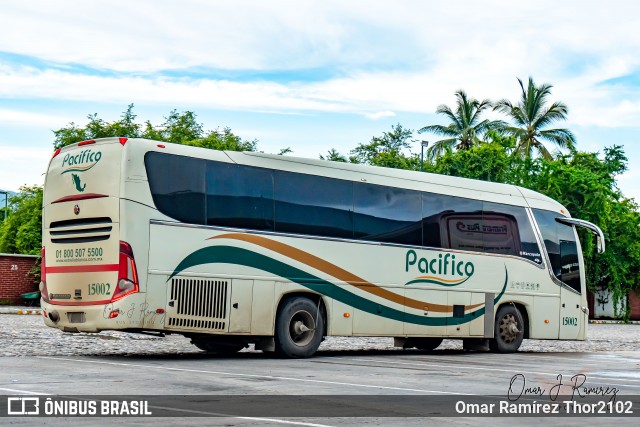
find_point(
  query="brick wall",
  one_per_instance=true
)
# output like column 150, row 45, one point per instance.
column 14, row 278
column 634, row 304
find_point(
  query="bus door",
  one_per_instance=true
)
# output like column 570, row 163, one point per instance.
column 566, row 264
column 572, row 293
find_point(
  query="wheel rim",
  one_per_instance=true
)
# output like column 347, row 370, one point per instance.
column 509, row 328
column 302, row 328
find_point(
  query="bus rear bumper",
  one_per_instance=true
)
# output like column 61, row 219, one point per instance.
column 124, row 314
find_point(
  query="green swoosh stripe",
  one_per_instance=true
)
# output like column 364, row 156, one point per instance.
column 239, row 256
column 436, row 282
column 78, row 169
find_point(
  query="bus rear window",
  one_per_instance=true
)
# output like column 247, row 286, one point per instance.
column 177, row 185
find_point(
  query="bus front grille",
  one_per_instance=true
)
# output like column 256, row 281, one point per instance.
column 81, row 230
column 198, row 304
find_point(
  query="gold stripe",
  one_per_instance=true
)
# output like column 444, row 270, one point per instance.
column 339, row 273
column 440, row 280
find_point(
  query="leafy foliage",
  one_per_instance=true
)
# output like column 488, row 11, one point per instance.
column 179, row 128
column 223, row 139
column 583, row 182
column 387, row 150
column 21, row 232
column 334, row 156
column 586, row 185
column 488, row 162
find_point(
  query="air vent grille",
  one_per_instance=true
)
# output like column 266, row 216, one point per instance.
column 81, row 230
column 198, row 303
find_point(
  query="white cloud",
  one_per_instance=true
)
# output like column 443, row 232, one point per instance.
column 256, row 35
column 31, row 119
column 375, row 95
column 389, row 58
column 22, row 166
column 380, row 115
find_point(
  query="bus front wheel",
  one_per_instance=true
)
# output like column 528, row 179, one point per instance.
column 509, row 330
column 299, row 328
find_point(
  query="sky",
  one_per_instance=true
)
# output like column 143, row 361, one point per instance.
column 310, row 75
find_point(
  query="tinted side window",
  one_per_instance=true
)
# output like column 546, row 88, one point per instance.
column 560, row 243
column 452, row 222
column 387, row 214
column 239, row 196
column 507, row 230
column 307, row 204
column 177, row 186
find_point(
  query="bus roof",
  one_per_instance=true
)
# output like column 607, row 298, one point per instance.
column 421, row 181
column 399, row 176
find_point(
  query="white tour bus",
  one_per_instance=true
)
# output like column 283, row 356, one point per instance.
column 231, row 249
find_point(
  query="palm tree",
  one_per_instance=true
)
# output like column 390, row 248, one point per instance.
column 531, row 117
column 465, row 129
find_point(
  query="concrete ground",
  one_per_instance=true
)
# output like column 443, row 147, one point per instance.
column 37, row 361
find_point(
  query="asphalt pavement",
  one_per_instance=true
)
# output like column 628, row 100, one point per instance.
column 40, row 361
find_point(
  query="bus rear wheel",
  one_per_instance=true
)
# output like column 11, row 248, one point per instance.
column 509, row 330
column 299, row 328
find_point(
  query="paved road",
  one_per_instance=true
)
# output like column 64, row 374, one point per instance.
column 118, row 364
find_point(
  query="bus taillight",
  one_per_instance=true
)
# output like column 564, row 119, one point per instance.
column 43, row 276
column 127, row 273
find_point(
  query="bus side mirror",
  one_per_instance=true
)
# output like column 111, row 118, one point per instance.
column 589, row 226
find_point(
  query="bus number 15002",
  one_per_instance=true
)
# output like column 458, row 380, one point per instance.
column 99, row 289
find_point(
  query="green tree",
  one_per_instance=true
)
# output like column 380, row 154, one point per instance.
column 466, row 128
column 21, row 232
column 583, row 182
column 179, row 128
column 388, row 150
column 488, row 162
column 98, row 128
column 334, row 156
column 223, row 139
column 532, row 116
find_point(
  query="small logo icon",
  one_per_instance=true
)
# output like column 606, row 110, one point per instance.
column 76, row 181
column 76, row 209
column 23, row 406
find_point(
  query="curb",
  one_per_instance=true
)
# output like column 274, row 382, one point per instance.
column 614, row 322
column 25, row 311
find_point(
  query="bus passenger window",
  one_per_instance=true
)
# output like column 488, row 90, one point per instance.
column 451, row 222
column 315, row 205
column 239, row 196
column 509, row 232
column 387, row 214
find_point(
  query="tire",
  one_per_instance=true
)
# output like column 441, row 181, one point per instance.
column 213, row 346
column 508, row 330
column 425, row 344
column 299, row 328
